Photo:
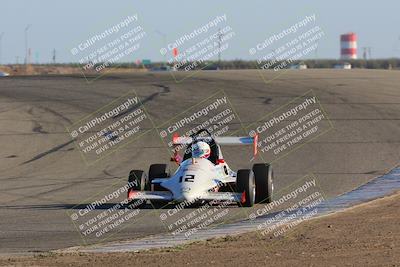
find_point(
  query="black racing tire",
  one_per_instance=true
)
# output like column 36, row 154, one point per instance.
column 137, row 181
column 158, row 171
column 264, row 176
column 245, row 182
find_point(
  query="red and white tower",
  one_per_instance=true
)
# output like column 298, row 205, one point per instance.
column 348, row 46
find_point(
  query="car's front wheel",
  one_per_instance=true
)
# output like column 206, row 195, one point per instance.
column 157, row 171
column 137, row 181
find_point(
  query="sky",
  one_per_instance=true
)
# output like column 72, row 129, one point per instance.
column 62, row 25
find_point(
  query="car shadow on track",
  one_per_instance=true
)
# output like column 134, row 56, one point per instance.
column 83, row 206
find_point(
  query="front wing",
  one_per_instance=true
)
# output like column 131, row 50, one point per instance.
column 167, row 196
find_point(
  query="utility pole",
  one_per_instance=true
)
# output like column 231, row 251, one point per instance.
column 366, row 51
column 54, row 56
column 1, row 39
column 26, row 44
column 219, row 47
column 315, row 56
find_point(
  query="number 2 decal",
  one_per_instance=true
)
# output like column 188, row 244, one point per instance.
column 188, row 178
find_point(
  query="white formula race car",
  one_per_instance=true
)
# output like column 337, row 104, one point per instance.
column 201, row 179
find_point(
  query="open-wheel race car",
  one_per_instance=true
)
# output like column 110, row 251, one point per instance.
column 203, row 175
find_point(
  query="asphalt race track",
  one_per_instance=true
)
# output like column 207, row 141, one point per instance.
column 43, row 176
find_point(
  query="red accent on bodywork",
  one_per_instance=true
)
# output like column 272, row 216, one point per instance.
column 174, row 137
column 243, row 197
column 207, row 155
column 176, row 157
column 131, row 193
column 220, row 161
column 175, row 51
column 255, row 145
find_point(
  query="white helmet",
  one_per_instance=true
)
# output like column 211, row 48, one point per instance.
column 201, row 150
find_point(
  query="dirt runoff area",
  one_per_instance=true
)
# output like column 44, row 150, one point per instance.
column 366, row 235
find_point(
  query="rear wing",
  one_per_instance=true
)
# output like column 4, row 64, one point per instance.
column 221, row 140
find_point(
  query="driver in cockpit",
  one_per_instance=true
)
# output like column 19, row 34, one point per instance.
column 201, row 150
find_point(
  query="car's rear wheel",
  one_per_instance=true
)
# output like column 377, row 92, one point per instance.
column 246, row 185
column 137, row 181
column 264, row 177
column 158, row 171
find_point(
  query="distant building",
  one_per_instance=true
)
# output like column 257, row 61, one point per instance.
column 344, row 66
column 300, row 66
